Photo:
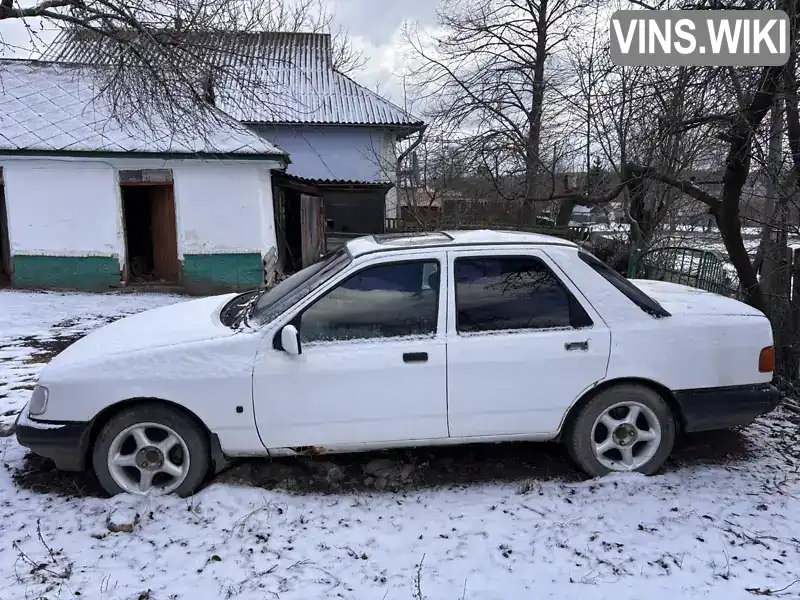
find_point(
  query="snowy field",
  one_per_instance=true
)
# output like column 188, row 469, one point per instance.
column 499, row 522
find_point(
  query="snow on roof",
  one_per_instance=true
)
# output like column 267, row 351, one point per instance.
column 370, row 243
column 50, row 107
column 295, row 70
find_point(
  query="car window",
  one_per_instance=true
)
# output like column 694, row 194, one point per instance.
column 512, row 292
column 384, row 301
column 631, row 292
column 276, row 300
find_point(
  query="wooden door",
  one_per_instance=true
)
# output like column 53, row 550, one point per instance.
column 312, row 219
column 164, row 232
column 5, row 243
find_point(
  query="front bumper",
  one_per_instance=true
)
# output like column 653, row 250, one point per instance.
column 65, row 443
column 717, row 408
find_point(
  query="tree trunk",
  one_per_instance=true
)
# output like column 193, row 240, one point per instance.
column 565, row 208
column 737, row 169
column 533, row 142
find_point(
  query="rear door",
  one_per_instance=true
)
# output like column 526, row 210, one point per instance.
column 522, row 343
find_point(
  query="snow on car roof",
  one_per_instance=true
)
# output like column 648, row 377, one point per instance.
column 399, row 241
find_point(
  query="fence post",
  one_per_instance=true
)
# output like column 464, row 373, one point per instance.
column 633, row 263
column 794, row 312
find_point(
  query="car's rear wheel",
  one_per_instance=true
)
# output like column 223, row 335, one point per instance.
column 150, row 449
column 623, row 428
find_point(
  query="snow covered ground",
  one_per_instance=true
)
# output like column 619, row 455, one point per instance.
column 722, row 519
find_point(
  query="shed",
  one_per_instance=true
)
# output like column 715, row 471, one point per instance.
column 89, row 202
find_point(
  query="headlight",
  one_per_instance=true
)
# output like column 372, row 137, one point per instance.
column 38, row 403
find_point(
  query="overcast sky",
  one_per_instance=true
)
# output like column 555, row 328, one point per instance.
column 374, row 27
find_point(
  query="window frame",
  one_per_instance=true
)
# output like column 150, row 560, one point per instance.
column 590, row 313
column 634, row 294
column 297, row 317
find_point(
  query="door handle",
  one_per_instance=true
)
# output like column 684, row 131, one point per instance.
column 569, row 346
column 415, row 357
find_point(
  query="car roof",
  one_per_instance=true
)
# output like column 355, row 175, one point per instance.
column 385, row 242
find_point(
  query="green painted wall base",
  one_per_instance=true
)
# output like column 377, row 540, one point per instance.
column 93, row 273
column 222, row 271
column 202, row 273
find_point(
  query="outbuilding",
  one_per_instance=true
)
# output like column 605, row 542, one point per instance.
column 88, row 202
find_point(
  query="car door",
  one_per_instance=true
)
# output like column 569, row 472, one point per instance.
column 523, row 343
column 373, row 360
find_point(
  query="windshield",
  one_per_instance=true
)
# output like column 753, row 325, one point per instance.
column 277, row 299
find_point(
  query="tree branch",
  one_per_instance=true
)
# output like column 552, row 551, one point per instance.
column 685, row 186
column 44, row 8
column 584, row 199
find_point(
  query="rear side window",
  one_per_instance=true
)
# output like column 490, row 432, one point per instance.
column 500, row 293
column 632, row 293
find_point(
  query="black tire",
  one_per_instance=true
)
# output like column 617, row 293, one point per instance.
column 578, row 438
column 184, row 426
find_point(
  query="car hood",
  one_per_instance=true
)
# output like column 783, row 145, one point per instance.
column 680, row 299
column 179, row 323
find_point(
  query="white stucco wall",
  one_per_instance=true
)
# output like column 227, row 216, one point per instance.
column 220, row 208
column 72, row 207
column 267, row 210
column 61, row 208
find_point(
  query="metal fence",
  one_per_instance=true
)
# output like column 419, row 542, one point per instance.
column 694, row 267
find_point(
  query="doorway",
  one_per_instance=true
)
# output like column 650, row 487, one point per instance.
column 5, row 242
column 151, row 239
column 293, row 232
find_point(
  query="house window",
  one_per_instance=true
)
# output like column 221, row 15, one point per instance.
column 501, row 293
column 384, row 301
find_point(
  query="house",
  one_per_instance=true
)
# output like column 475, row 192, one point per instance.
column 87, row 202
column 341, row 137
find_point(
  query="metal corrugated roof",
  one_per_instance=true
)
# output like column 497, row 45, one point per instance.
column 291, row 74
column 55, row 108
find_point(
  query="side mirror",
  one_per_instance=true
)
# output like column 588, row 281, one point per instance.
column 290, row 340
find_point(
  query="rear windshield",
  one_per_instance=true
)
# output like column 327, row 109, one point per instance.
column 631, row 292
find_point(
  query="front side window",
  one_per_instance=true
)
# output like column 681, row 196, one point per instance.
column 501, row 293
column 384, row 301
column 276, row 300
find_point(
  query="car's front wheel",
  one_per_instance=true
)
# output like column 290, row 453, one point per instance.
column 150, row 448
column 623, row 428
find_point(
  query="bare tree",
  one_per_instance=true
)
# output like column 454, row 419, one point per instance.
column 172, row 61
column 488, row 78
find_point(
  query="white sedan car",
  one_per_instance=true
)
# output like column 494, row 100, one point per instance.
column 412, row 340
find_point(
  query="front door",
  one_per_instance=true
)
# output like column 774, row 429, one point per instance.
column 523, row 344
column 373, row 362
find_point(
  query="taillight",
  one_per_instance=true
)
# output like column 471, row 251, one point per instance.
column 766, row 360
